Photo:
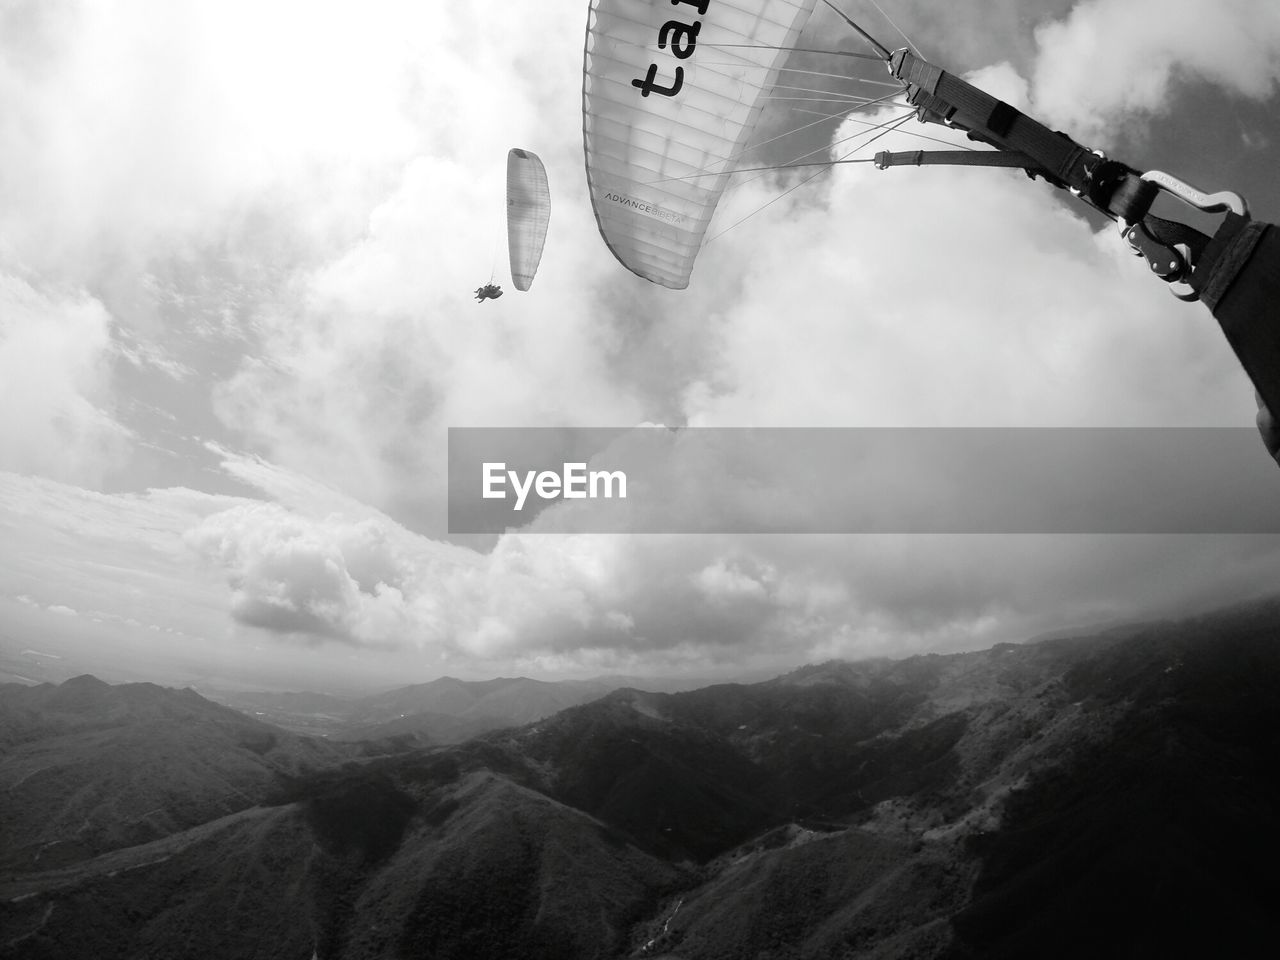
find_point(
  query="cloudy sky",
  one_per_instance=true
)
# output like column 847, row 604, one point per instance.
column 238, row 244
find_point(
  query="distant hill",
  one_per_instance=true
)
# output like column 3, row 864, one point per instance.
column 505, row 701
column 1079, row 797
column 446, row 710
column 86, row 767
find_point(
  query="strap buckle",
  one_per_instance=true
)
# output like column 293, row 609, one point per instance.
column 1169, row 263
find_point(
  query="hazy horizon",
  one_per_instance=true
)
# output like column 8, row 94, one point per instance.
column 75, row 660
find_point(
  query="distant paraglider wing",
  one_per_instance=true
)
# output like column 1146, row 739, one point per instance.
column 672, row 91
column 528, row 213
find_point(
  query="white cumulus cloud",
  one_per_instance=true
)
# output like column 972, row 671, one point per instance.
column 1111, row 60
column 55, row 384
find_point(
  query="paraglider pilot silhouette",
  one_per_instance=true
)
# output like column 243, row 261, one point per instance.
column 490, row 291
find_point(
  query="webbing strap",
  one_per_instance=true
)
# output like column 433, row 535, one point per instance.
column 1226, row 256
column 982, row 113
column 960, row 158
column 1109, row 185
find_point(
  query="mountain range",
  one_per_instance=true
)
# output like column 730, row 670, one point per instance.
column 1092, row 796
column 446, row 710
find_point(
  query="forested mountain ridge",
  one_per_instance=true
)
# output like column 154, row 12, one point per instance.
column 1089, row 796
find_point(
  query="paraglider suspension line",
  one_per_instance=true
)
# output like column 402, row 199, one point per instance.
column 889, row 128
column 771, row 46
column 497, row 244
column 914, row 48
column 880, row 48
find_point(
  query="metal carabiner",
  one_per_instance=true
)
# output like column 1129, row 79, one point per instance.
column 1172, row 264
column 1219, row 202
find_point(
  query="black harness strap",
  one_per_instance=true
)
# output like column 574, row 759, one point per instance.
column 959, row 158
column 953, row 100
column 1238, row 279
column 1116, row 189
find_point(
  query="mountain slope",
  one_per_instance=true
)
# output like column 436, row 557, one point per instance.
column 88, row 767
column 411, row 858
column 1166, row 834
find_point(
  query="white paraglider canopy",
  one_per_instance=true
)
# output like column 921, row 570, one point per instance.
column 671, row 93
column 528, row 213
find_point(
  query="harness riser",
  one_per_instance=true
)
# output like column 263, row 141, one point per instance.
column 1236, row 272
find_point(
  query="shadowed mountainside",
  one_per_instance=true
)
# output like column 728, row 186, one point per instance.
column 1165, row 834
